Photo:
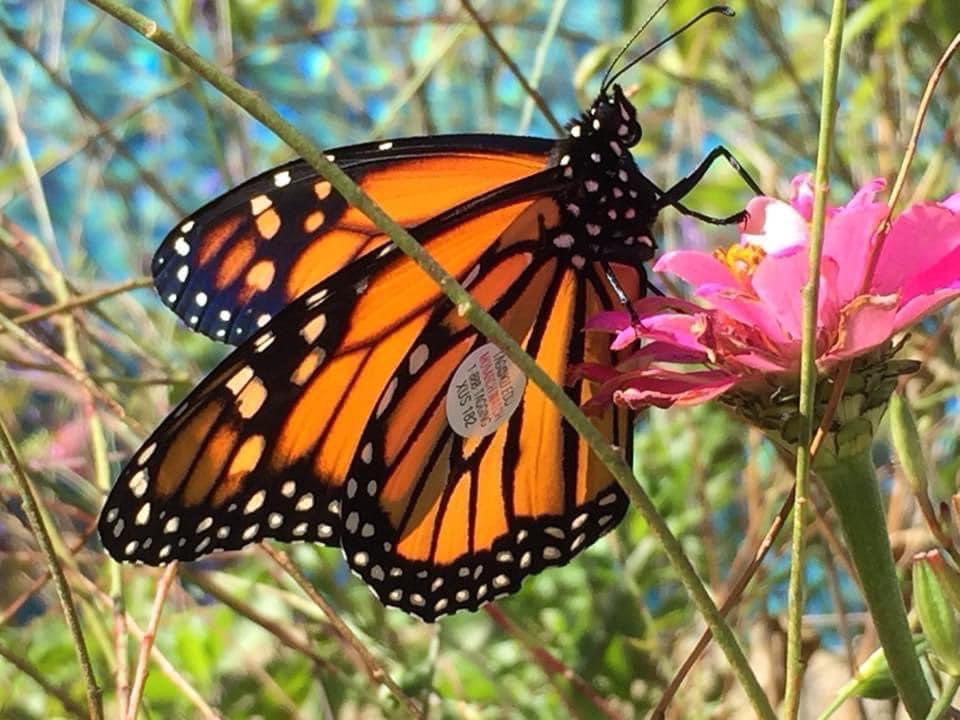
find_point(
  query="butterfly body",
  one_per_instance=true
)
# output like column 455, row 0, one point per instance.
column 360, row 409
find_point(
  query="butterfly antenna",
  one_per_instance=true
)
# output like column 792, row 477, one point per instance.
column 722, row 9
column 631, row 41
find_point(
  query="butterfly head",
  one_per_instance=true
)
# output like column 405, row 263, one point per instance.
column 611, row 119
column 616, row 117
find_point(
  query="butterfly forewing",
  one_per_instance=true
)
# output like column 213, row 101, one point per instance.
column 234, row 264
column 260, row 448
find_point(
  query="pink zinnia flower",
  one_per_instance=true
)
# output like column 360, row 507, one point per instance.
column 739, row 337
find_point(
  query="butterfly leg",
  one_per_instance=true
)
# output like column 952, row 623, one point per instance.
column 619, row 291
column 672, row 195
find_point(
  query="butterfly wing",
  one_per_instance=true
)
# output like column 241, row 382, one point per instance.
column 235, row 263
column 438, row 520
column 260, row 448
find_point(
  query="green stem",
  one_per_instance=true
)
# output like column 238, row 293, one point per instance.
column 808, row 369
column 608, row 454
column 942, row 704
column 855, row 494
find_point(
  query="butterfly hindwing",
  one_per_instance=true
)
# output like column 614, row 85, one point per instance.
column 231, row 266
column 437, row 522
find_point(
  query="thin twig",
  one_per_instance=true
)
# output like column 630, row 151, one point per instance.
column 146, row 644
column 79, row 301
column 551, row 665
column 31, row 509
column 274, row 627
column 733, row 597
column 71, row 370
column 40, row 677
column 38, row 583
column 808, row 357
column 163, row 664
column 149, row 178
column 375, row 671
column 512, row 66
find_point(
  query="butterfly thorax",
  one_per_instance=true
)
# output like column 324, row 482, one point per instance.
column 606, row 198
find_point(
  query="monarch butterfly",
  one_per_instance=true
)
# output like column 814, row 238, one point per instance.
column 359, row 409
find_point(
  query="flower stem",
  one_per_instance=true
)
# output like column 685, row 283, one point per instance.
column 808, row 370
column 942, row 704
column 855, row 494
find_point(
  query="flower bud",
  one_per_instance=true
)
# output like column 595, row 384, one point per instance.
column 906, row 440
column 938, row 618
column 948, row 576
column 872, row 680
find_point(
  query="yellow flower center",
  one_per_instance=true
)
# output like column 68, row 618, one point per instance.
column 741, row 259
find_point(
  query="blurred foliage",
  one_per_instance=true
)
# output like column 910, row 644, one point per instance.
column 121, row 141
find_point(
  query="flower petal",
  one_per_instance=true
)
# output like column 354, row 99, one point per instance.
column 750, row 311
column 866, row 195
column 952, row 202
column 920, row 306
column 778, row 282
column 695, row 268
column 802, row 199
column 663, row 389
column 919, row 240
column 864, row 324
column 773, row 225
column 849, row 241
